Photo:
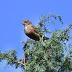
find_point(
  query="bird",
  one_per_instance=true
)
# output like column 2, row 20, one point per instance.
column 30, row 30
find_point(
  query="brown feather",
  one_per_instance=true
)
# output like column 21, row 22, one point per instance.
column 30, row 31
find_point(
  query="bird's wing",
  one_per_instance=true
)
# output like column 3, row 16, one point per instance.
column 35, row 30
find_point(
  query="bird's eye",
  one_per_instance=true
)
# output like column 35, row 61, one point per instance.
column 25, row 21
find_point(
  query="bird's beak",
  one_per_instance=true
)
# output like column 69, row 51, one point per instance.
column 23, row 24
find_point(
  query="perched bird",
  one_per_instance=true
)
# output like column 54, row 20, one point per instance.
column 30, row 30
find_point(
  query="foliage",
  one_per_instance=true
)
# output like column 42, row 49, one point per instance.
column 45, row 55
column 12, row 58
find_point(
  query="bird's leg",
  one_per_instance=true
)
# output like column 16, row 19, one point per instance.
column 41, row 40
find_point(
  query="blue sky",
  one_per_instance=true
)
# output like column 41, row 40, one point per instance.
column 12, row 12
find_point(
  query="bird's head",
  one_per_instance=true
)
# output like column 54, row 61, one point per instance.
column 26, row 22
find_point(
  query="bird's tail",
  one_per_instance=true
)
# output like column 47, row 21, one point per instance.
column 45, row 38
